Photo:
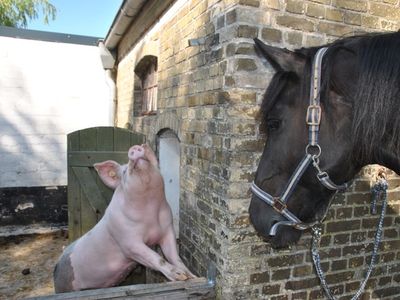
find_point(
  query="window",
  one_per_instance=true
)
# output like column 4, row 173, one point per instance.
column 146, row 89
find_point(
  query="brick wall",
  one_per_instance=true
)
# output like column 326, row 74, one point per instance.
column 209, row 95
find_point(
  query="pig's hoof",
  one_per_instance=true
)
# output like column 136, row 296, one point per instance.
column 181, row 276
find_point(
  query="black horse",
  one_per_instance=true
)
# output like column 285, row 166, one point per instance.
column 359, row 114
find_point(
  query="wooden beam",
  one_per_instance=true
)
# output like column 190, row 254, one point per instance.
column 88, row 158
column 90, row 189
column 194, row 289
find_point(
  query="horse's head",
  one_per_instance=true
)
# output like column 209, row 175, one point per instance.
column 284, row 110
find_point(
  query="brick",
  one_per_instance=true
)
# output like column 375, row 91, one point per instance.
column 302, row 271
column 353, row 250
column 313, row 41
column 334, row 29
column 230, row 49
column 338, row 265
column 245, row 64
column 330, row 253
column 384, row 10
column 299, row 296
column 254, row 3
column 280, row 274
column 295, row 23
column 352, row 18
column 221, row 22
column 387, row 292
column 285, row 260
column 391, row 233
column 295, row 6
column 231, row 17
column 245, row 49
column 247, row 31
column 271, row 289
column 315, row 11
column 294, row 38
column 229, row 81
column 385, row 280
column 332, row 14
column 362, row 211
column 241, row 222
column 259, row 278
column 302, row 284
column 271, row 35
column 273, row 4
column 358, row 237
column 319, row 294
column 343, row 226
column 355, row 5
column 344, row 213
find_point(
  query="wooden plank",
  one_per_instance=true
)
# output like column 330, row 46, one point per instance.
column 73, row 192
column 105, row 138
column 105, row 142
column 122, row 139
column 88, row 215
column 194, row 289
column 90, row 189
column 137, row 138
column 74, row 207
column 88, row 139
column 73, row 141
column 88, row 142
column 88, row 158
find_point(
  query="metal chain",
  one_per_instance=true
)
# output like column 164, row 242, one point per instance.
column 378, row 191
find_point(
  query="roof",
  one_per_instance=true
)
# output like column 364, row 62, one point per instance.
column 135, row 17
column 48, row 36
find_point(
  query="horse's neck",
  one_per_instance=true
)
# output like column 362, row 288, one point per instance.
column 388, row 159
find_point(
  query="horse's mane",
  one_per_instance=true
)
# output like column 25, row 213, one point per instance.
column 376, row 104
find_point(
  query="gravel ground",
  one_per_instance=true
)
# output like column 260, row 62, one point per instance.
column 27, row 262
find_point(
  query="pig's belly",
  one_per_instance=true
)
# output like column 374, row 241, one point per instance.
column 97, row 268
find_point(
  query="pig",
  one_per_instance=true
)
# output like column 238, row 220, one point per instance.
column 137, row 218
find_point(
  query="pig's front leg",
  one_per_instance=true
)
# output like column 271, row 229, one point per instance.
column 168, row 247
column 149, row 258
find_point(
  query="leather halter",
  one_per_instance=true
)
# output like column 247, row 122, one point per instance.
column 313, row 151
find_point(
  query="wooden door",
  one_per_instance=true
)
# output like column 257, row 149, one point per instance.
column 88, row 197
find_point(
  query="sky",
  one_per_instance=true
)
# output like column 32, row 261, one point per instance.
column 81, row 17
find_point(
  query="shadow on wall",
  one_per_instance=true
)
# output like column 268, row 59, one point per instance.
column 32, row 154
column 32, row 146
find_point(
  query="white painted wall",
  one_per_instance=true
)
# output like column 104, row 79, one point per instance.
column 169, row 168
column 47, row 90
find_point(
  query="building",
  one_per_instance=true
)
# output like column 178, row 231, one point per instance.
column 51, row 84
column 187, row 76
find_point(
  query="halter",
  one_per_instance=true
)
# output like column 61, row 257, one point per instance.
column 313, row 151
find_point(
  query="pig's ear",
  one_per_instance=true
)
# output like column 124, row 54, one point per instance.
column 109, row 173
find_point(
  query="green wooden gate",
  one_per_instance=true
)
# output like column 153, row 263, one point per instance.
column 88, row 197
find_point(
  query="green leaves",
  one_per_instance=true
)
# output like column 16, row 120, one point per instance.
column 17, row 13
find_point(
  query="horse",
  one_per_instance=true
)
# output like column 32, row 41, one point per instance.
column 320, row 135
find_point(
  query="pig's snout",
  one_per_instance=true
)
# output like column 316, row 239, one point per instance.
column 136, row 152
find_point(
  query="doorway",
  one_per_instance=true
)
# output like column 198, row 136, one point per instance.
column 169, row 157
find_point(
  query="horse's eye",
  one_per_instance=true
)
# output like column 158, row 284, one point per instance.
column 273, row 124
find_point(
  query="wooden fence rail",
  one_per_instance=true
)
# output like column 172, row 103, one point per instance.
column 194, row 289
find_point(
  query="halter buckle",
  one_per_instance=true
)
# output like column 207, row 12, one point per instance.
column 278, row 205
column 313, row 117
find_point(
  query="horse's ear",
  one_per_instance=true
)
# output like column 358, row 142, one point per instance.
column 281, row 59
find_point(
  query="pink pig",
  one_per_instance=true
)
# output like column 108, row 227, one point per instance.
column 137, row 218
